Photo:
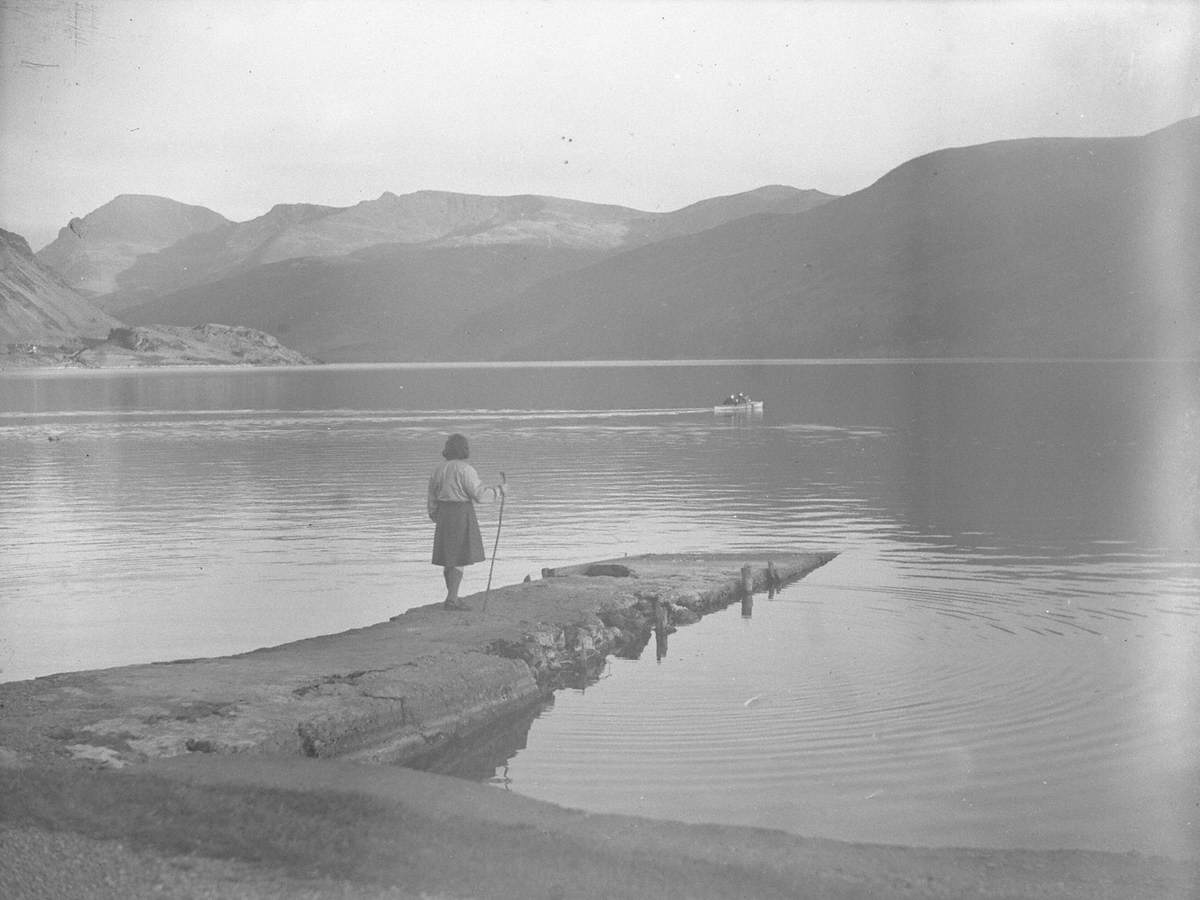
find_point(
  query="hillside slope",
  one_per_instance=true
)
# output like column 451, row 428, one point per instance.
column 393, row 302
column 716, row 211
column 36, row 306
column 208, row 256
column 1042, row 247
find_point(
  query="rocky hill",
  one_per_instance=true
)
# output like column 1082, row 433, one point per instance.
column 1045, row 247
column 90, row 252
column 36, row 306
column 202, row 345
column 453, row 219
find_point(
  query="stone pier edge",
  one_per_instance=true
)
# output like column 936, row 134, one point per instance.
column 558, row 655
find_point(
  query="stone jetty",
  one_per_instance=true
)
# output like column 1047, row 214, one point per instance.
column 386, row 693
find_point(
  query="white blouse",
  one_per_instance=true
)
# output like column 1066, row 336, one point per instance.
column 456, row 481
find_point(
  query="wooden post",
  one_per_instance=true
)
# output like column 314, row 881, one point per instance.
column 747, row 579
column 747, row 606
column 772, row 580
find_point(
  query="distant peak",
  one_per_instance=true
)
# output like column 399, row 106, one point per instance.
column 280, row 209
column 150, row 203
column 141, row 200
column 427, row 193
column 15, row 242
column 76, row 229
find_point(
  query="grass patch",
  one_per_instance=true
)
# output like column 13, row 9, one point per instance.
column 310, row 832
column 356, row 839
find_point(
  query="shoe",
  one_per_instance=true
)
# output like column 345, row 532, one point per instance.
column 455, row 606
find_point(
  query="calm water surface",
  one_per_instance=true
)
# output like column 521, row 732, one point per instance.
column 1004, row 654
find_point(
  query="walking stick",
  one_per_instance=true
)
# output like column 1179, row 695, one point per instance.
column 499, row 523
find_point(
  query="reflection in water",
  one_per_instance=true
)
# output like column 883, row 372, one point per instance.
column 1003, row 654
column 480, row 755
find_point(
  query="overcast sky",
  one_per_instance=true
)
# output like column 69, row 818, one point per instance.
column 241, row 104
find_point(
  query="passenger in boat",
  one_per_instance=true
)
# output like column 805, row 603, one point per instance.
column 454, row 489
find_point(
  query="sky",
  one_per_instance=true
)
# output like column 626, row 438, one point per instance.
column 238, row 105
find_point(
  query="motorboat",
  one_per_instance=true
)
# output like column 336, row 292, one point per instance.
column 738, row 403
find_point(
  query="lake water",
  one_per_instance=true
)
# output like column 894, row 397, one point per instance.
column 1005, row 654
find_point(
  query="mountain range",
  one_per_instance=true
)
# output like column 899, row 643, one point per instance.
column 429, row 219
column 393, row 278
column 1026, row 248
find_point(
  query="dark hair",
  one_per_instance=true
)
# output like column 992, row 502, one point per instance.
column 456, row 447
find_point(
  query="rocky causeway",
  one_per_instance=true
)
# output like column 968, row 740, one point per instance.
column 300, row 720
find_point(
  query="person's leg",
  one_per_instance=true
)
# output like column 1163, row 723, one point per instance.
column 453, row 577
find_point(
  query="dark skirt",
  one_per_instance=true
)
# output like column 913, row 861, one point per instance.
column 456, row 539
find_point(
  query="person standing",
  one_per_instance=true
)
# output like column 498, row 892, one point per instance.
column 454, row 489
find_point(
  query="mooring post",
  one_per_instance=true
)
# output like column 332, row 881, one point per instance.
column 772, row 580
column 747, row 591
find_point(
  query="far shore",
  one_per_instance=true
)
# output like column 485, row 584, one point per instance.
column 63, row 362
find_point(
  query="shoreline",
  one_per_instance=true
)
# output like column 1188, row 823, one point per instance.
column 269, row 827
column 163, row 761
column 10, row 364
